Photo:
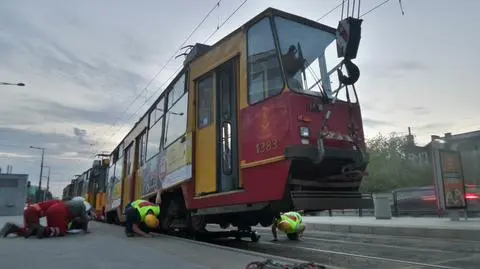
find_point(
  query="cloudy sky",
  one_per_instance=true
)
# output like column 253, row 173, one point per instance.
column 85, row 61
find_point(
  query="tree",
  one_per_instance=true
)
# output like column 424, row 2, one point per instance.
column 389, row 167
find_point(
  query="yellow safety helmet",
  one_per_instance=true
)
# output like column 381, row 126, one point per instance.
column 283, row 226
column 151, row 221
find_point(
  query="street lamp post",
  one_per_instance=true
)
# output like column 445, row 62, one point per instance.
column 20, row 84
column 41, row 167
column 48, row 184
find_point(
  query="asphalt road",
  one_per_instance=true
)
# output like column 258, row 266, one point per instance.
column 370, row 251
column 106, row 247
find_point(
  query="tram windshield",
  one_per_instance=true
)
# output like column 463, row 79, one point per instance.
column 305, row 51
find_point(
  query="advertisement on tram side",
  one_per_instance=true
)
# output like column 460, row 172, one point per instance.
column 177, row 164
column 115, row 201
column 150, row 175
column 114, row 188
column 170, row 167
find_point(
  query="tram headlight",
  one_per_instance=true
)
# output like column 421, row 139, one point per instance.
column 304, row 132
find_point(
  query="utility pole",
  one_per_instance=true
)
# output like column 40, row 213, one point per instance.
column 48, row 184
column 41, row 169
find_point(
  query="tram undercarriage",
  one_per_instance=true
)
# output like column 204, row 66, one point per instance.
column 307, row 195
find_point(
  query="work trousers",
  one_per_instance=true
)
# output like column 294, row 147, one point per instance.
column 58, row 217
column 31, row 216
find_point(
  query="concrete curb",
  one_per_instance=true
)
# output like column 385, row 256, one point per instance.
column 447, row 233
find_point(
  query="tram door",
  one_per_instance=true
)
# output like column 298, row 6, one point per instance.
column 216, row 150
column 227, row 126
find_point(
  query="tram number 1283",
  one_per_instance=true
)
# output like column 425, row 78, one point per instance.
column 267, row 146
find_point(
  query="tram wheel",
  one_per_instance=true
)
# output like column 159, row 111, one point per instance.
column 254, row 237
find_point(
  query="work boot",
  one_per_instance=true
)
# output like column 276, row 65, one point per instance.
column 9, row 228
column 40, row 232
column 129, row 234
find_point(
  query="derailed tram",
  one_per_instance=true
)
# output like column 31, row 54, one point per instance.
column 251, row 126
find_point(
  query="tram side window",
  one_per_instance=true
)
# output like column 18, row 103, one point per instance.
column 129, row 159
column 111, row 179
column 121, row 150
column 205, row 102
column 177, row 91
column 264, row 73
column 154, row 138
column 119, row 169
column 142, row 143
column 176, row 120
column 156, row 114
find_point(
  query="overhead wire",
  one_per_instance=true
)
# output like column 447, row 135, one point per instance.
column 341, row 4
column 141, row 93
column 180, row 66
column 217, row 4
column 226, row 20
column 331, row 10
column 375, row 7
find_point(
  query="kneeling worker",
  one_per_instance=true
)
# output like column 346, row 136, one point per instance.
column 142, row 217
column 31, row 218
column 60, row 215
column 291, row 223
column 77, row 223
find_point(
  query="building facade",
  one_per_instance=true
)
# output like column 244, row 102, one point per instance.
column 13, row 194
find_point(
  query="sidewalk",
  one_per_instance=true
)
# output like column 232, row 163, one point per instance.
column 404, row 226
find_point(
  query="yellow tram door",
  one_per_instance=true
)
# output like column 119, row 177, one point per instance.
column 216, row 144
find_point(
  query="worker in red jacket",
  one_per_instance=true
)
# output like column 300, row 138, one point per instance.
column 59, row 216
column 31, row 218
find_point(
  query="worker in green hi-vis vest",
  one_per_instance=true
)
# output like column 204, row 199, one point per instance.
column 291, row 223
column 142, row 217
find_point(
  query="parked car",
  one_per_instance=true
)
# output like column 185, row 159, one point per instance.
column 422, row 201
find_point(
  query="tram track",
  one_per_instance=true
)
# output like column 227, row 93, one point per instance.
column 358, row 254
column 359, row 251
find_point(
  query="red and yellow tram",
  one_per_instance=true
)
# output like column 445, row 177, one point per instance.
column 251, row 126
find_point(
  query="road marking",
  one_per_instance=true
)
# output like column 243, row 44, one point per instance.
column 372, row 244
column 364, row 256
column 260, row 255
column 449, row 260
column 386, row 236
column 248, row 252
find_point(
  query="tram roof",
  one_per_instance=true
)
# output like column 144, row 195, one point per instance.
column 276, row 12
column 266, row 13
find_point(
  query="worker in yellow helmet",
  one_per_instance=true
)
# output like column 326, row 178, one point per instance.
column 141, row 218
column 291, row 223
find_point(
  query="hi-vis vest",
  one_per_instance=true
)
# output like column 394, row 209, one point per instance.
column 144, row 206
column 293, row 219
